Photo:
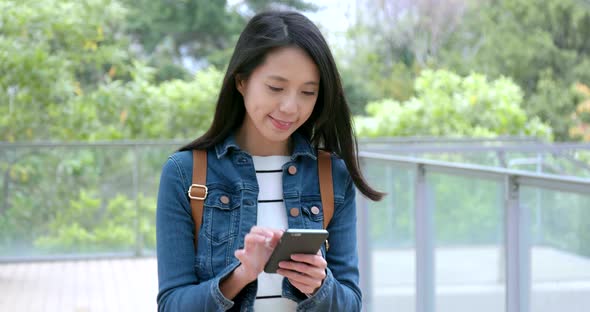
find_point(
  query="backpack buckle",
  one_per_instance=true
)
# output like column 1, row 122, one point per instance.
column 201, row 191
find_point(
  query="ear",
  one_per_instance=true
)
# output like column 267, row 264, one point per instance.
column 240, row 84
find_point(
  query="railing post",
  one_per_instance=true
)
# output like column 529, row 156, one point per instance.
column 517, row 250
column 137, row 223
column 424, row 227
column 364, row 246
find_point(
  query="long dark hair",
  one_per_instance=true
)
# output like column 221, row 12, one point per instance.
column 330, row 124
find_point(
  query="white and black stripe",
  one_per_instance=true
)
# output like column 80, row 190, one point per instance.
column 271, row 213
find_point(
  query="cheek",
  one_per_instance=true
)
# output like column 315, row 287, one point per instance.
column 308, row 108
column 312, row 104
column 254, row 100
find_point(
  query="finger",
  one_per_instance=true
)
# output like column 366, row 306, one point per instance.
column 315, row 260
column 303, row 280
column 272, row 236
column 240, row 254
column 306, row 289
column 262, row 231
column 252, row 240
column 276, row 237
column 277, row 232
column 303, row 268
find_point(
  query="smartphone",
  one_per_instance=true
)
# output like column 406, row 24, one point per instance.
column 295, row 241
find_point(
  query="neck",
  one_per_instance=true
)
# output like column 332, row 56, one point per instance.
column 256, row 145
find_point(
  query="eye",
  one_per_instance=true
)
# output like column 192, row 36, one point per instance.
column 309, row 93
column 274, row 89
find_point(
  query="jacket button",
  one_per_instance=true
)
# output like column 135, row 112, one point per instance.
column 224, row 200
column 315, row 210
column 292, row 170
column 294, row 212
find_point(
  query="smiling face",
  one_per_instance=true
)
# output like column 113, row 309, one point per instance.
column 279, row 96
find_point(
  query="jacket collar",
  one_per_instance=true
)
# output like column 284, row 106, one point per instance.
column 301, row 146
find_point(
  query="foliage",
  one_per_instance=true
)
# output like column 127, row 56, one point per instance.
column 391, row 42
column 51, row 51
column 369, row 74
column 449, row 105
column 69, row 199
column 196, row 32
column 67, row 76
column 138, row 109
column 581, row 117
column 135, row 109
column 410, row 31
column 88, row 225
column 544, row 49
column 101, row 70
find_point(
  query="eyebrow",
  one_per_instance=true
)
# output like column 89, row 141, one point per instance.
column 283, row 79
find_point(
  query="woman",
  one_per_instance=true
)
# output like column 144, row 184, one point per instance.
column 280, row 100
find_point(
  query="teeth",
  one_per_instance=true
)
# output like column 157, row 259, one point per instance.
column 282, row 123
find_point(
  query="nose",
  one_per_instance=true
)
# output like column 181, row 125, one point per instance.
column 289, row 104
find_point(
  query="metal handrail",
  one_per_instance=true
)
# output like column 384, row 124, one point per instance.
column 478, row 147
column 121, row 143
column 434, row 139
column 517, row 243
column 555, row 182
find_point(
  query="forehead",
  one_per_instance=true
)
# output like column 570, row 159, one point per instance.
column 291, row 63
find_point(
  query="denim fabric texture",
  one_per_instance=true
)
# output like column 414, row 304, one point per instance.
column 189, row 280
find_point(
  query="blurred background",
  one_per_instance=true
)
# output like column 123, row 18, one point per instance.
column 474, row 116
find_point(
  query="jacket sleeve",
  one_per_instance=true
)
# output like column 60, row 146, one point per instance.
column 179, row 287
column 340, row 290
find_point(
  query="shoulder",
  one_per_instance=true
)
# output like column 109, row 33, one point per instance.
column 341, row 179
column 339, row 170
column 184, row 159
column 180, row 163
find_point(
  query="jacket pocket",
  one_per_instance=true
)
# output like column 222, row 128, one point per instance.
column 219, row 230
column 221, row 216
column 312, row 210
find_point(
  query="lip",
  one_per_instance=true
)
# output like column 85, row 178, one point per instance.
column 279, row 124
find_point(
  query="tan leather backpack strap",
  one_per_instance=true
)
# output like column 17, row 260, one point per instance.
column 197, row 192
column 326, row 185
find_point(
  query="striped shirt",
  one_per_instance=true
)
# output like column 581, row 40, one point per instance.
column 271, row 213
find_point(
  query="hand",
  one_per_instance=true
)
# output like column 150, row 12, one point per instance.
column 306, row 272
column 258, row 246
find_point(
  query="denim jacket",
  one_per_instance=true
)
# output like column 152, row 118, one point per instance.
column 189, row 281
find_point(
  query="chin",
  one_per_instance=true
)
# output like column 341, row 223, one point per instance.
column 279, row 138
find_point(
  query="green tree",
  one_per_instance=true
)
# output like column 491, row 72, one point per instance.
column 197, row 32
column 66, row 76
column 51, row 52
column 140, row 109
column 544, row 49
column 581, row 117
column 447, row 104
column 391, row 42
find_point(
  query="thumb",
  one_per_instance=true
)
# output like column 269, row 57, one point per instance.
column 239, row 253
column 272, row 241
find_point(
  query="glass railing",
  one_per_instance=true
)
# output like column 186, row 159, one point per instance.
column 448, row 237
column 519, row 153
column 79, row 200
column 459, row 237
